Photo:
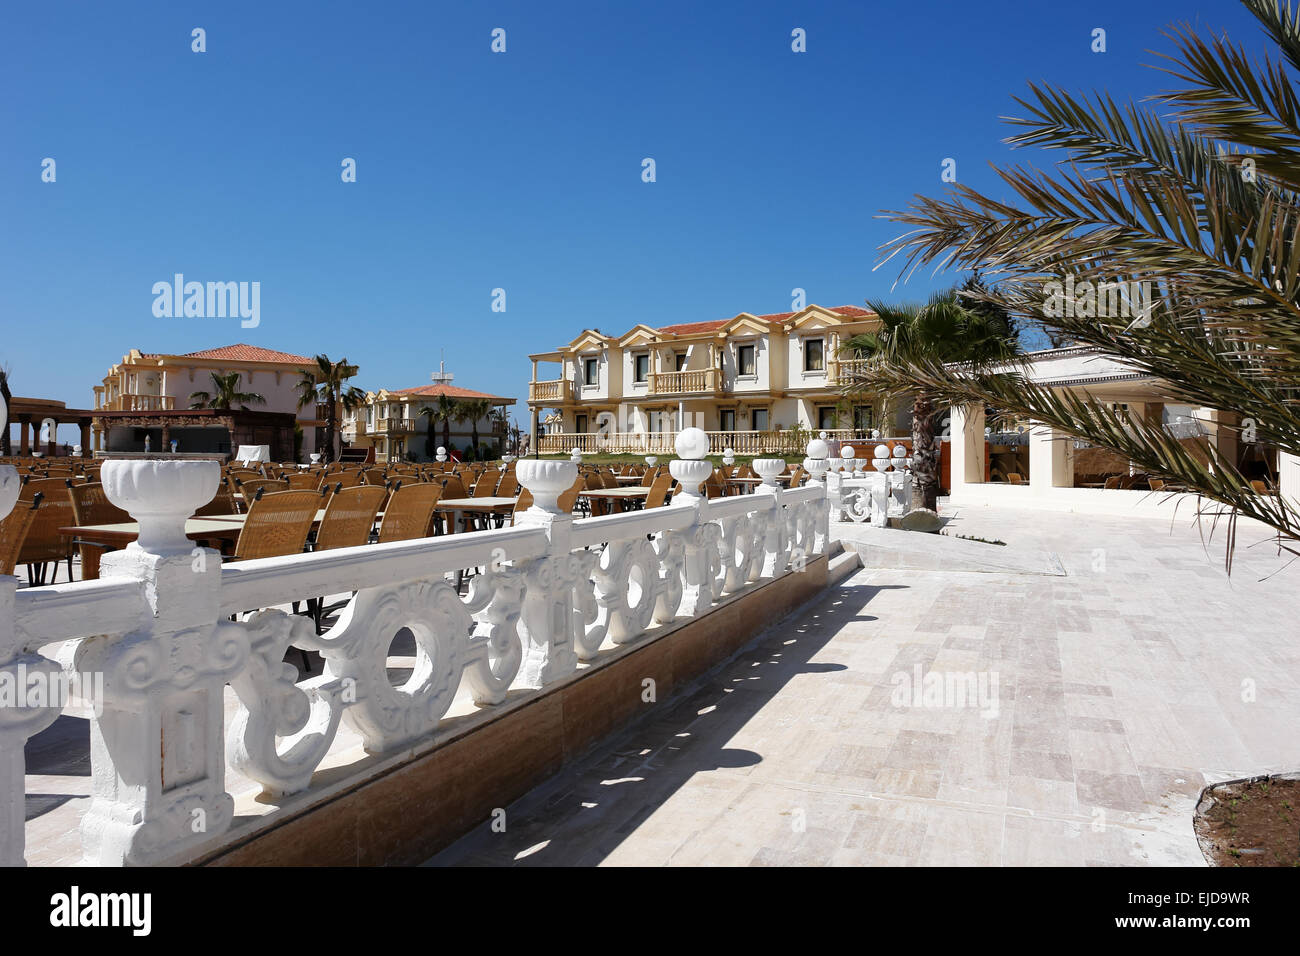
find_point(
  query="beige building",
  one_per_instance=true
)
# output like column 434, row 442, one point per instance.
column 753, row 382
column 391, row 422
column 148, row 391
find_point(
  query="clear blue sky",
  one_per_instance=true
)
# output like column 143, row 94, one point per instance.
column 478, row 170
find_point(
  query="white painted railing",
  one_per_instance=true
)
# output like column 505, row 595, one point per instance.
column 168, row 626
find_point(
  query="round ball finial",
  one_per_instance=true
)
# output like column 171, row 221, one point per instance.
column 818, row 449
column 847, row 453
column 900, row 451
column 880, row 451
column 692, row 443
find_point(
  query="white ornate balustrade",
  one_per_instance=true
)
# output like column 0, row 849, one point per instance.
column 158, row 628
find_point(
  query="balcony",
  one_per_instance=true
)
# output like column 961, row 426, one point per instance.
column 699, row 381
column 555, row 392
column 138, row 403
column 846, row 370
column 394, row 426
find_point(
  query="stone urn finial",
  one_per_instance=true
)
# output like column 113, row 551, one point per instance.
column 768, row 469
column 691, row 469
column 546, row 480
column 160, row 496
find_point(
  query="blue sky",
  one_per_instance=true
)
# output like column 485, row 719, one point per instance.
column 478, row 171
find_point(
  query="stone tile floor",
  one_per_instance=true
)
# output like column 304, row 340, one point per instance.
column 1121, row 690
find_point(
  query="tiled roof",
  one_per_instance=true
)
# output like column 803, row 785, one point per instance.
column 451, row 391
column 250, row 353
column 688, row 328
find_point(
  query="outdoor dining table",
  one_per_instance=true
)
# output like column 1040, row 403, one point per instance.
column 749, row 483
column 488, row 504
column 615, row 494
column 628, row 479
column 121, row 534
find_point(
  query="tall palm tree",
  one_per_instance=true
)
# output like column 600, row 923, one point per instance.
column 1199, row 204
column 940, row 331
column 225, row 394
column 327, row 384
column 474, row 410
column 446, row 411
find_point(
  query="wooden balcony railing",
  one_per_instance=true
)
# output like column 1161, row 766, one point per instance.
column 686, row 382
column 554, row 391
column 396, row 426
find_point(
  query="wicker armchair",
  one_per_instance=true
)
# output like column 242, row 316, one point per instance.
column 13, row 532
column 409, row 512
column 44, row 545
column 278, row 523
column 349, row 518
column 90, row 506
column 658, row 496
column 303, row 481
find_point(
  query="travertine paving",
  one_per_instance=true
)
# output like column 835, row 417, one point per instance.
column 1110, row 697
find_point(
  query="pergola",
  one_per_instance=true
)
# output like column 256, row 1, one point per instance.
column 31, row 412
column 244, row 427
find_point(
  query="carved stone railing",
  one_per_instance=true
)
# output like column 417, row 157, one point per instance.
column 556, row 391
column 684, row 382
column 168, row 625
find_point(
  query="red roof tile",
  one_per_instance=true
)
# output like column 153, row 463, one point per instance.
column 688, row 328
column 250, row 353
column 451, row 391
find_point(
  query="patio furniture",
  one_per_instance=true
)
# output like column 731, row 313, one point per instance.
column 13, row 532
column 91, row 506
column 277, row 524
column 304, row 482
column 409, row 512
column 45, row 545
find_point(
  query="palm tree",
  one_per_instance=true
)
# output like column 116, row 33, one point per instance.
column 225, row 394
column 941, row 331
column 446, row 411
column 8, row 400
column 327, row 384
column 1199, row 205
column 472, row 411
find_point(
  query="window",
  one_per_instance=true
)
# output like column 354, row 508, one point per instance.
column 745, row 360
column 679, row 361
column 727, row 419
column 862, row 418
column 580, row 425
column 759, row 416
column 591, row 371
column 641, row 367
column 814, row 355
column 826, row 417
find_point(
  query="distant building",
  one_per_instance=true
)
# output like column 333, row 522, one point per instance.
column 148, row 394
column 391, row 422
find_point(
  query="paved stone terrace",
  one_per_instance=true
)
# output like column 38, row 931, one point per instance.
column 1119, row 696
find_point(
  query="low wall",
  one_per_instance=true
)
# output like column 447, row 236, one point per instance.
column 1107, row 501
column 405, row 812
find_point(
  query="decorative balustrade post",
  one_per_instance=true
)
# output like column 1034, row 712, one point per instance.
column 547, row 618
column 776, row 542
column 700, row 540
column 817, row 463
column 156, row 745
column 22, row 713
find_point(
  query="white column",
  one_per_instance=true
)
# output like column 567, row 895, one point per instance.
column 966, row 428
column 1051, row 458
column 1288, row 476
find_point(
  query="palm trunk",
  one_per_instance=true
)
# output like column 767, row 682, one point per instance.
column 925, row 454
column 446, row 435
column 473, row 427
column 329, row 429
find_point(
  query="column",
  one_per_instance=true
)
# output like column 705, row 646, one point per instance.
column 167, row 438
column 84, row 425
column 966, row 428
column 1051, row 458
column 1288, row 478
column 23, row 447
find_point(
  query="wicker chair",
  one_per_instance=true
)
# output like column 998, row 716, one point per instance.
column 374, row 476
column 44, row 545
column 222, row 503
column 658, row 496
column 268, row 485
column 303, row 481
column 485, row 486
column 409, row 512
column 91, row 506
column 13, row 532
column 349, row 518
column 278, row 523
column 508, row 487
